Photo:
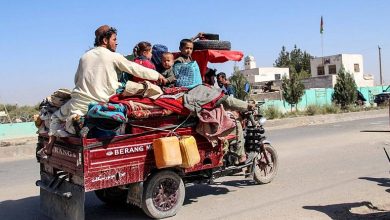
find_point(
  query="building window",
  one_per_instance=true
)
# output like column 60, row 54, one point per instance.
column 277, row 76
column 327, row 61
column 320, row 70
column 356, row 67
column 332, row 69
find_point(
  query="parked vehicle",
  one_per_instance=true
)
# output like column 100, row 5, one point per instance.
column 382, row 97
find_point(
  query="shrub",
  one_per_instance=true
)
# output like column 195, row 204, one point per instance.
column 313, row 110
column 345, row 90
column 352, row 108
column 293, row 89
column 331, row 109
column 294, row 114
column 25, row 113
column 272, row 113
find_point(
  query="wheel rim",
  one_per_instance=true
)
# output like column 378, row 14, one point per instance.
column 264, row 168
column 166, row 194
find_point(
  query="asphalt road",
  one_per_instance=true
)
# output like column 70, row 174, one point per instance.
column 332, row 171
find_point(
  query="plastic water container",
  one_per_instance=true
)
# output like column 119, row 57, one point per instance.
column 167, row 152
column 189, row 151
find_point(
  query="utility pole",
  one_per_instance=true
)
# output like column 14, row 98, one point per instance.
column 380, row 65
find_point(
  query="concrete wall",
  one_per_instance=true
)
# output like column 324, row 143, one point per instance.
column 320, row 97
column 17, row 130
column 267, row 96
column 326, row 81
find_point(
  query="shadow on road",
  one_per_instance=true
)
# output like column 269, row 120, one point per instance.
column 97, row 210
column 239, row 183
column 365, row 209
column 195, row 191
column 26, row 208
column 385, row 182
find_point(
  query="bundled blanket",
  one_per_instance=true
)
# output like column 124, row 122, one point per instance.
column 215, row 124
column 105, row 119
column 173, row 105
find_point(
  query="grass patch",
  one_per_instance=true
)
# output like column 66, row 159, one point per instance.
column 313, row 110
column 272, row 113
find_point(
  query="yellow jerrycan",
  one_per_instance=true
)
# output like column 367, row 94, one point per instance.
column 189, row 151
column 167, row 152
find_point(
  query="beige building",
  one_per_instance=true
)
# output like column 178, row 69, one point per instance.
column 262, row 74
column 326, row 68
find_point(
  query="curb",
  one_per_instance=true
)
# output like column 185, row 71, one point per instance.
column 324, row 119
column 17, row 141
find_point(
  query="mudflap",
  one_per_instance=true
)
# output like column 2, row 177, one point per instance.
column 135, row 193
column 60, row 199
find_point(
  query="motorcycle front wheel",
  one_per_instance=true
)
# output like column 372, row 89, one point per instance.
column 264, row 173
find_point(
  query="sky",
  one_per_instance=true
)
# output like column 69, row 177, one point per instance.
column 42, row 41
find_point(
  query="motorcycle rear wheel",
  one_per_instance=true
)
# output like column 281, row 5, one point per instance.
column 264, row 173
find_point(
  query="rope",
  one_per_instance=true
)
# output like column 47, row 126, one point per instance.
column 170, row 132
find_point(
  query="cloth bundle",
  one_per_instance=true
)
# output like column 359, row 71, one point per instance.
column 48, row 106
column 144, row 89
column 105, row 119
column 60, row 97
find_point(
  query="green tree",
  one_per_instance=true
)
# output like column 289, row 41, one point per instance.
column 296, row 60
column 283, row 59
column 296, row 56
column 293, row 89
column 238, row 81
column 306, row 62
column 345, row 89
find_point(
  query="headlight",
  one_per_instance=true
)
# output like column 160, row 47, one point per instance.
column 262, row 120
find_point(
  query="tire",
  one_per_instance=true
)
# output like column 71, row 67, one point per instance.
column 112, row 196
column 208, row 36
column 212, row 45
column 163, row 194
column 266, row 173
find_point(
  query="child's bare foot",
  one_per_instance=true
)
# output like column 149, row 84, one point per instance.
column 42, row 153
column 48, row 148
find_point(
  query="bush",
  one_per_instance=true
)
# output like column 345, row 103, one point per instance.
column 313, row 110
column 345, row 89
column 272, row 113
column 24, row 113
column 293, row 114
column 354, row 108
column 293, row 89
column 331, row 109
